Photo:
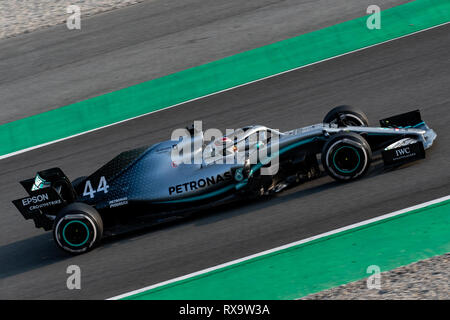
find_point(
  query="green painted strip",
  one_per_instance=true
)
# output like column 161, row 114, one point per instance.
column 219, row 75
column 323, row 263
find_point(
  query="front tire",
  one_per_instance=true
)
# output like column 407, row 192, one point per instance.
column 346, row 156
column 346, row 116
column 78, row 228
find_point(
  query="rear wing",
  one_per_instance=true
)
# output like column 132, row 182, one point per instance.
column 48, row 193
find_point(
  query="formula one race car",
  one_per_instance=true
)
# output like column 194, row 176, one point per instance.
column 156, row 184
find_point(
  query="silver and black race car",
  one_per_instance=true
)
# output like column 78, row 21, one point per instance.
column 160, row 183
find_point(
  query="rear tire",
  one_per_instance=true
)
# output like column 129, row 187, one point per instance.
column 346, row 156
column 346, row 116
column 78, row 228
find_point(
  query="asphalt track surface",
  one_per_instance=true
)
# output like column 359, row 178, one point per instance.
column 54, row 67
column 384, row 80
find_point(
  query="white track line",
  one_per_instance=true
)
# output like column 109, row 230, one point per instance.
column 289, row 245
column 214, row 93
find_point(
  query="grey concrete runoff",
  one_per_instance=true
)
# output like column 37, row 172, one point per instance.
column 20, row 17
column 424, row 280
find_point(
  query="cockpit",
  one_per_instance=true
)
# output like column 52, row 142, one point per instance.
column 240, row 142
column 244, row 141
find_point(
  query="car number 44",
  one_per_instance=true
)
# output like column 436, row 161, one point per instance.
column 89, row 190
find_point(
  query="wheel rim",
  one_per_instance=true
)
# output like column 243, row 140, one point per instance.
column 352, row 120
column 346, row 159
column 76, row 233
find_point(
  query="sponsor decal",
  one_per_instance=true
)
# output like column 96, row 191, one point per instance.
column 118, row 202
column 35, row 199
column 40, row 201
column 402, row 151
column 45, row 205
column 200, row 183
column 40, row 183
